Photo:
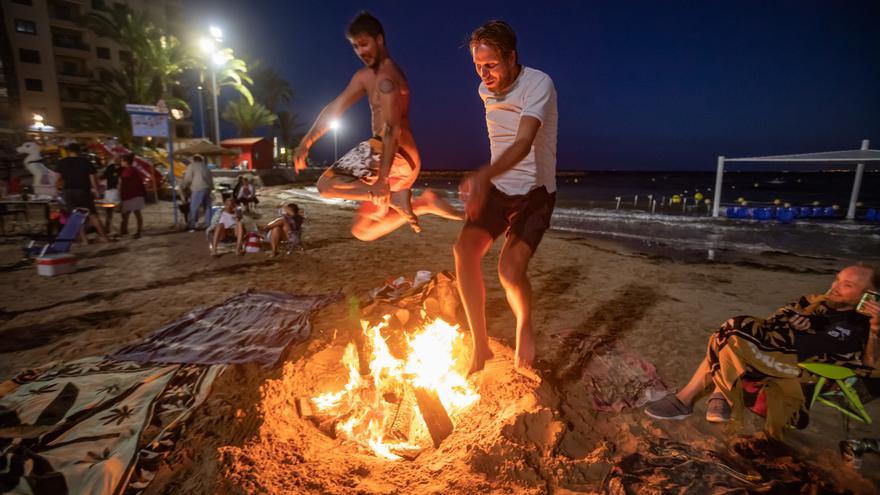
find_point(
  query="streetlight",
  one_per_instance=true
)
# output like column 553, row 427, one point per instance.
column 217, row 60
column 334, row 124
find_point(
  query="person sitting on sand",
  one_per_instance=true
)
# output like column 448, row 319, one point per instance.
column 228, row 226
column 379, row 172
column 288, row 226
column 822, row 328
column 244, row 193
column 513, row 195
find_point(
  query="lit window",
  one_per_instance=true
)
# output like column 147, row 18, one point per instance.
column 26, row 27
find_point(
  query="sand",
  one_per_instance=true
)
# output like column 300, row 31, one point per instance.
column 520, row 438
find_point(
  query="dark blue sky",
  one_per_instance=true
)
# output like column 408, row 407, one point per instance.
column 641, row 85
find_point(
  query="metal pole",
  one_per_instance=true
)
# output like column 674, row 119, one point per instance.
column 857, row 184
column 171, row 167
column 335, row 146
column 202, row 112
column 214, row 91
column 719, row 176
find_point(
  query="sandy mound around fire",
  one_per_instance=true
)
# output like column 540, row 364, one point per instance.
column 504, row 441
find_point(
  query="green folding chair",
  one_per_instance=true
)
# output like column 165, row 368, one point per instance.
column 850, row 405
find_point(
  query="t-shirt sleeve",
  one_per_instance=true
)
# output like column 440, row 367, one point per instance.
column 538, row 99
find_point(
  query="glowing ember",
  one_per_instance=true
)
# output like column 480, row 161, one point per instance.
column 378, row 411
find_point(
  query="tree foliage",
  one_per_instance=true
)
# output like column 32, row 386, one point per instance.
column 248, row 117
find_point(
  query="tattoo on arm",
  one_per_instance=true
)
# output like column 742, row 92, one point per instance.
column 387, row 86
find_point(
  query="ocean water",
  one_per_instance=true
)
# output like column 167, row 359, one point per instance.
column 587, row 205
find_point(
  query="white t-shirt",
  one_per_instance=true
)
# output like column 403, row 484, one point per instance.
column 533, row 95
column 227, row 220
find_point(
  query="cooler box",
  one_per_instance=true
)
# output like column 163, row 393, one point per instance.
column 50, row 265
column 253, row 243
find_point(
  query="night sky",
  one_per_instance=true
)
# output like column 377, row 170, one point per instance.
column 641, row 85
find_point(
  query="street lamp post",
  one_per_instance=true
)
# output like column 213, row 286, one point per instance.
column 216, row 110
column 201, row 111
column 218, row 58
column 335, row 126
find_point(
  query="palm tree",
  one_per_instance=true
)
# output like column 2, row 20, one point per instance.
column 247, row 117
column 288, row 126
column 234, row 74
column 270, row 87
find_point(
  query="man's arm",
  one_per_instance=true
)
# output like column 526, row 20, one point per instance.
column 352, row 93
column 389, row 101
column 477, row 185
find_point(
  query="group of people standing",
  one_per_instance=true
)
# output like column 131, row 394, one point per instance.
column 124, row 186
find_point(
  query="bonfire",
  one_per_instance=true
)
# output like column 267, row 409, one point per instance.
column 410, row 398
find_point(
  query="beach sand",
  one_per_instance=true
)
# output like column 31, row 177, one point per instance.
column 247, row 437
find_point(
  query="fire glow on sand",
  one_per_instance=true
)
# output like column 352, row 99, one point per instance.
column 394, row 411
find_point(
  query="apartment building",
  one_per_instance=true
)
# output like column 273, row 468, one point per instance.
column 57, row 59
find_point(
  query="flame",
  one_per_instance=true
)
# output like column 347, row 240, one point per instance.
column 434, row 358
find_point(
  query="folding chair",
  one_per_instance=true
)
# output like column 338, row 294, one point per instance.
column 845, row 399
column 65, row 238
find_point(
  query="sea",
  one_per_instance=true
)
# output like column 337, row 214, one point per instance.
column 639, row 209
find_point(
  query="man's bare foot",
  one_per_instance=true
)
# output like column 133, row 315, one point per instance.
column 431, row 202
column 401, row 201
column 478, row 361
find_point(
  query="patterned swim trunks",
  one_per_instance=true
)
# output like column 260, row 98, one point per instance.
column 362, row 163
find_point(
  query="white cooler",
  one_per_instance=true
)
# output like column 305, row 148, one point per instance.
column 50, row 265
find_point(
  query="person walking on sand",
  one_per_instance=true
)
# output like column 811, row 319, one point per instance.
column 378, row 172
column 200, row 182
column 132, row 192
column 514, row 194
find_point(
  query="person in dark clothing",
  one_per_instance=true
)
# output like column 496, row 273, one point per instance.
column 78, row 174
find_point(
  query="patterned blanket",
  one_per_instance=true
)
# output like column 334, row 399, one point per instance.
column 77, row 427
column 251, row 327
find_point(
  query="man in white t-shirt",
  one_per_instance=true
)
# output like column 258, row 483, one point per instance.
column 514, row 194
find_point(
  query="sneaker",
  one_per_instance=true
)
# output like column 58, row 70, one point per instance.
column 669, row 407
column 717, row 409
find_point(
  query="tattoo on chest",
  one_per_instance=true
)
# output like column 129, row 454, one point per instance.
column 387, row 85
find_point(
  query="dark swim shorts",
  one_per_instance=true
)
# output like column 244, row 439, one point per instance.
column 526, row 217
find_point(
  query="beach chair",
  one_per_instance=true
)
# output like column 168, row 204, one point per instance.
column 844, row 397
column 65, row 238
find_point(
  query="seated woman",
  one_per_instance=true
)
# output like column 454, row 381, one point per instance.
column 288, row 226
column 228, row 226
column 245, row 193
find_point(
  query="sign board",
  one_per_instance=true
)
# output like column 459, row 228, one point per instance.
column 148, row 120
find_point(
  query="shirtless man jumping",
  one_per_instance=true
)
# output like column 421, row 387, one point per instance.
column 378, row 172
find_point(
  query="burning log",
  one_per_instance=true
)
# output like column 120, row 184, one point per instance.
column 435, row 415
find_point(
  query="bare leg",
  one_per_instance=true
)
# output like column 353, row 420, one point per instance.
column 108, row 223
column 697, row 384
column 331, row 185
column 123, row 229
column 140, row 223
column 93, row 219
column 471, row 246
column 275, row 239
column 239, row 238
column 367, row 228
column 219, row 231
column 513, row 266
